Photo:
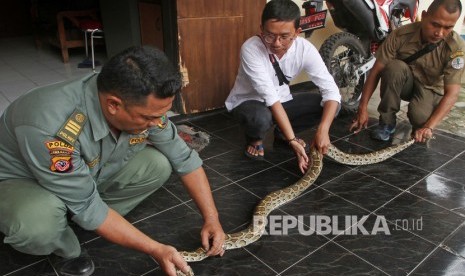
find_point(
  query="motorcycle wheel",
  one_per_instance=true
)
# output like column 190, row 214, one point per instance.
column 343, row 53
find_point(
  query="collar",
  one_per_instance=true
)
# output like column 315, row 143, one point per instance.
column 98, row 123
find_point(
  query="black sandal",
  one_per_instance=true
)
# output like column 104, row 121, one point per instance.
column 258, row 147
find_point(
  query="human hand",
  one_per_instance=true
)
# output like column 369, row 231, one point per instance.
column 298, row 145
column 171, row 261
column 360, row 121
column 423, row 134
column 321, row 142
column 213, row 237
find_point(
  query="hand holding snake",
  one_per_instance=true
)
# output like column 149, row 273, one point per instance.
column 280, row 197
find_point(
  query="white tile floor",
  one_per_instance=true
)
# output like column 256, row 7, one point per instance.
column 23, row 67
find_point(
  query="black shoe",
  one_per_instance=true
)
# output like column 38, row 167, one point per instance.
column 79, row 266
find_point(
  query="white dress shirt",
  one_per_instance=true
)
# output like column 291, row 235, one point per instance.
column 257, row 80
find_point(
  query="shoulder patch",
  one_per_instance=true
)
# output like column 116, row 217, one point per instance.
column 70, row 131
column 457, row 63
column 60, row 156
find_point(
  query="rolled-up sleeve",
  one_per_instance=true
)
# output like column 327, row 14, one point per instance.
column 183, row 159
column 74, row 185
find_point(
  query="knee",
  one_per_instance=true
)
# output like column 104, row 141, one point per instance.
column 417, row 116
column 263, row 121
column 396, row 68
column 31, row 227
column 156, row 164
column 260, row 118
column 254, row 114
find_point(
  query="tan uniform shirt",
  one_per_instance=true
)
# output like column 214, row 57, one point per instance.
column 444, row 65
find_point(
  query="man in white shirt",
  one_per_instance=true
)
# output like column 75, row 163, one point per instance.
column 261, row 96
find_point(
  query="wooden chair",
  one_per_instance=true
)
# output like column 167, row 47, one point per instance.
column 65, row 33
column 66, row 38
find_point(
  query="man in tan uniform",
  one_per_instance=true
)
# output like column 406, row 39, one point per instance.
column 430, row 82
column 91, row 150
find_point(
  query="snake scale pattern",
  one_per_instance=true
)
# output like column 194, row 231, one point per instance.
column 280, row 197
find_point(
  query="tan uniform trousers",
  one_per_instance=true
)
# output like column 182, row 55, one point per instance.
column 34, row 220
column 398, row 83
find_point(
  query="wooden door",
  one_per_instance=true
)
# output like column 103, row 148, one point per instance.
column 151, row 24
column 210, row 34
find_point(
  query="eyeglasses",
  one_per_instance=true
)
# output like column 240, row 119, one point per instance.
column 283, row 39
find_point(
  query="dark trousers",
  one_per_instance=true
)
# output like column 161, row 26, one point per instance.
column 304, row 111
column 398, row 83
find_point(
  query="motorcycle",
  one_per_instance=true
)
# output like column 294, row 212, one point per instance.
column 349, row 55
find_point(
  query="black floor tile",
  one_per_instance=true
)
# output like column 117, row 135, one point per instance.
column 268, row 181
column 396, row 253
column 174, row 184
column 453, row 170
column 111, row 259
column 217, row 146
column 444, row 144
column 234, row 262
column 41, row 268
column 318, row 207
column 235, row 206
column 332, row 259
column 420, row 189
column 421, row 157
column 456, row 243
column 441, row 262
column 12, row 260
column 394, row 172
column 442, row 191
column 362, row 190
column 235, row 166
column 215, row 122
column 280, row 249
column 425, row 219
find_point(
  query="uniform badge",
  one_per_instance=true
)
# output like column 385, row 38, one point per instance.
column 94, row 162
column 137, row 140
column 457, row 63
column 457, row 54
column 163, row 122
column 70, row 131
column 60, row 156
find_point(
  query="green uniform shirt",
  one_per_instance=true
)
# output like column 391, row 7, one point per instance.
column 444, row 65
column 58, row 135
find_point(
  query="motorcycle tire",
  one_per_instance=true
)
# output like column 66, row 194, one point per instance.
column 343, row 53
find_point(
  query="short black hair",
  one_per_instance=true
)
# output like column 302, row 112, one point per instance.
column 137, row 72
column 451, row 6
column 281, row 10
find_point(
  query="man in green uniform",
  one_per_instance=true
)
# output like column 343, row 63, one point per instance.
column 430, row 81
column 92, row 149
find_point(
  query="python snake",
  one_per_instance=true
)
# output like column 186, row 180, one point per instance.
column 280, row 197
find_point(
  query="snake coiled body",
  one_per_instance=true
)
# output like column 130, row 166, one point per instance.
column 280, row 197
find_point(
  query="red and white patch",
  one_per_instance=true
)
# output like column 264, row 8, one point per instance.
column 62, row 165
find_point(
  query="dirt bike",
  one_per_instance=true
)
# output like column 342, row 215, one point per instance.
column 349, row 55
